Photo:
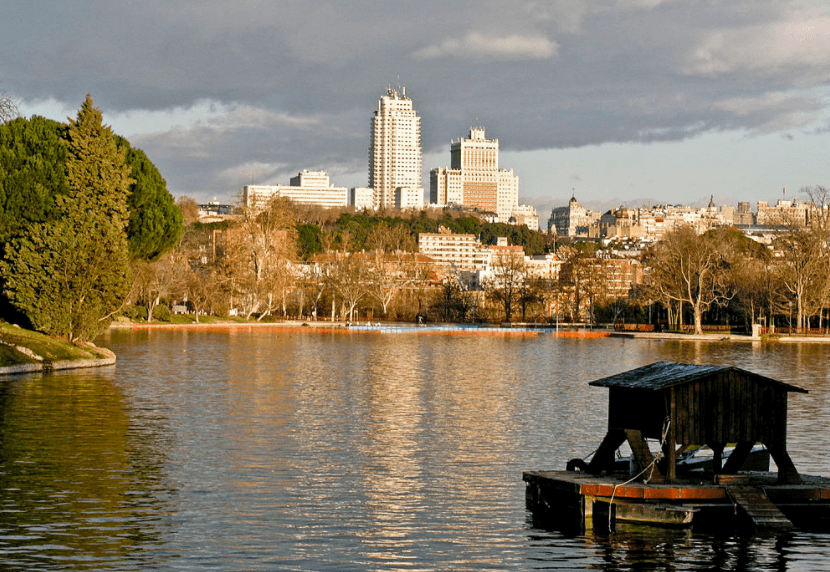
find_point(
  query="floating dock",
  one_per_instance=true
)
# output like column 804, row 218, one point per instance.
column 686, row 408
column 573, row 499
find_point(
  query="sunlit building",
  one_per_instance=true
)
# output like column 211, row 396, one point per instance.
column 308, row 187
column 474, row 179
column 395, row 152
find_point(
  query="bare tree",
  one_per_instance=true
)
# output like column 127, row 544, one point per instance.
column 531, row 293
column 391, row 247
column 189, row 208
column 152, row 281
column 687, row 268
column 259, row 256
column 8, row 108
column 349, row 280
column 584, row 277
column 804, row 264
column 508, row 273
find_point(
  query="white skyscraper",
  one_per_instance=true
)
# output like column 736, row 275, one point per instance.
column 395, row 152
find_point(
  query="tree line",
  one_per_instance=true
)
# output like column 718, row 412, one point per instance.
column 724, row 273
column 78, row 204
column 293, row 260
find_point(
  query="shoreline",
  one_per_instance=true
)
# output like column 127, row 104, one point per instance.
column 462, row 329
column 293, row 326
column 47, row 367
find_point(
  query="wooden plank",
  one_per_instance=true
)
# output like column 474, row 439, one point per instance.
column 760, row 510
column 750, row 411
column 731, row 413
column 717, row 400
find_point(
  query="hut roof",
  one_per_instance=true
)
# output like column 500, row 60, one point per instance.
column 664, row 374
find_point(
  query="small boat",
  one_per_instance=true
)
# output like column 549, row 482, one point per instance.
column 700, row 460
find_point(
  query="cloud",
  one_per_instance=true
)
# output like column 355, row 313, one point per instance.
column 476, row 45
column 775, row 111
column 216, row 96
column 765, row 49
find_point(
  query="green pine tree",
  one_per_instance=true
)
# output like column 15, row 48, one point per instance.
column 155, row 221
column 68, row 276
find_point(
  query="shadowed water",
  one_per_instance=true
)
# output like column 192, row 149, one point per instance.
column 314, row 451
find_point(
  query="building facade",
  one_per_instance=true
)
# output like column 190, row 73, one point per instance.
column 308, row 187
column 572, row 220
column 474, row 178
column 362, row 198
column 395, row 150
column 785, row 212
column 462, row 251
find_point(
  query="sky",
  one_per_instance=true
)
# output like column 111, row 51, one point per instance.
column 612, row 101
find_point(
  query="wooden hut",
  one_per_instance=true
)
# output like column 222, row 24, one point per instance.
column 684, row 404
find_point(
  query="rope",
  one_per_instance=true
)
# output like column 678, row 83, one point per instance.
column 650, row 468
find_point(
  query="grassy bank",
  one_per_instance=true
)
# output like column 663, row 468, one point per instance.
column 20, row 347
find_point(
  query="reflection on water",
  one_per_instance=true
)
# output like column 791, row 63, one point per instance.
column 79, row 487
column 261, row 451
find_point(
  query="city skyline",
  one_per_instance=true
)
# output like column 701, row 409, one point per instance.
column 655, row 99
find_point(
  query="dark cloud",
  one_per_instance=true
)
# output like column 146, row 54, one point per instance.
column 302, row 78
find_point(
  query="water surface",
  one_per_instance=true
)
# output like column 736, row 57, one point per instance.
column 250, row 450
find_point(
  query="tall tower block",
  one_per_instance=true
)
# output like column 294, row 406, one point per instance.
column 395, row 151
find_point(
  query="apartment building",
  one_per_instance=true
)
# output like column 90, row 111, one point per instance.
column 395, row 152
column 308, row 187
column 462, row 251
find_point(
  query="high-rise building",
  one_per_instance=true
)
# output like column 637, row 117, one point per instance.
column 395, row 152
column 474, row 178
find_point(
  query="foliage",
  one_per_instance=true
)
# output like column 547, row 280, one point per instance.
column 71, row 274
column 155, row 223
column 355, row 229
column 308, row 239
column 32, row 173
column 33, row 164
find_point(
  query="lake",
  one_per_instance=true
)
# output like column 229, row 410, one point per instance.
column 258, row 450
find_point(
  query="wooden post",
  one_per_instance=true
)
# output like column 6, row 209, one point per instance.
column 717, row 458
column 642, row 455
column 604, row 457
column 672, row 460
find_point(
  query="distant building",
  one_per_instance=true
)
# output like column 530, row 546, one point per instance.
column 214, row 209
column 524, row 215
column 395, row 151
column 409, row 198
column 573, row 220
column 743, row 215
column 308, row 187
column 785, row 212
column 362, row 198
column 462, row 251
column 475, row 180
